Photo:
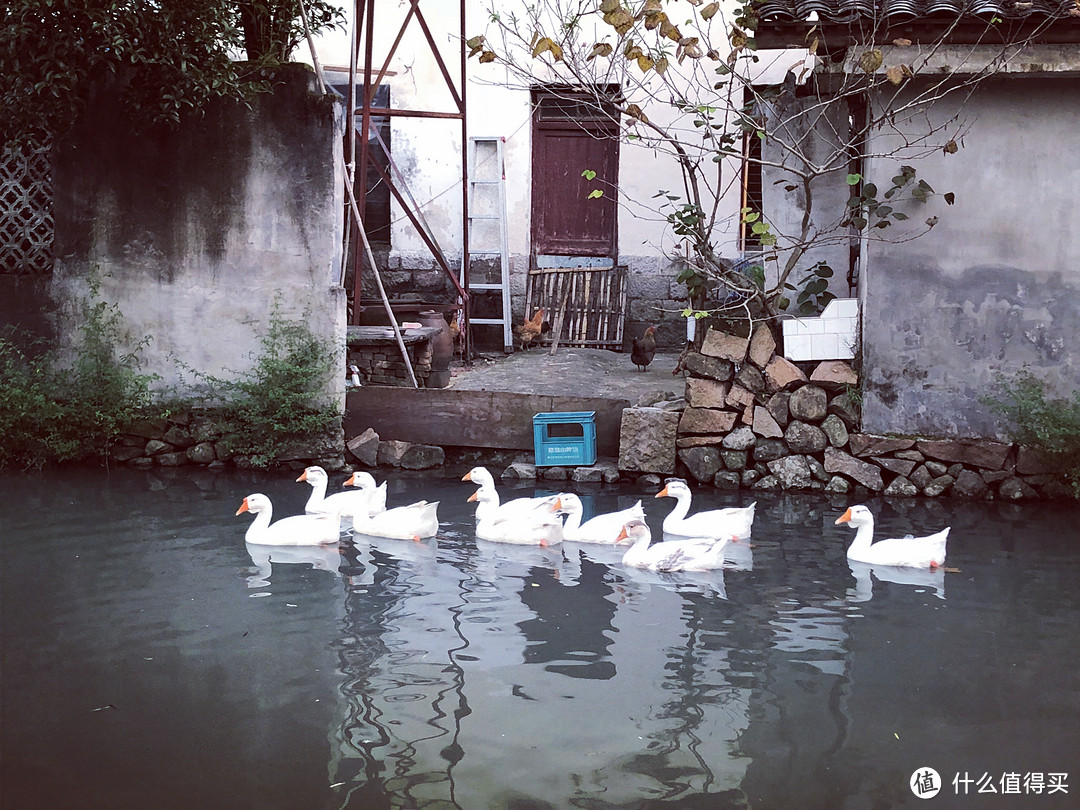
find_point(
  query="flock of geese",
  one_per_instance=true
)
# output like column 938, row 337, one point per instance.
column 701, row 540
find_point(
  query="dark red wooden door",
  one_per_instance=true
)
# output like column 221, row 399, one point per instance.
column 566, row 222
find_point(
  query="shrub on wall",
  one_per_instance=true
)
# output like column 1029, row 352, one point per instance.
column 281, row 403
column 52, row 410
column 1050, row 425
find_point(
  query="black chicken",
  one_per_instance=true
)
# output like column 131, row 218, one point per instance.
column 644, row 348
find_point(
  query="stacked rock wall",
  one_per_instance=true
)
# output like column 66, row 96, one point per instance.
column 753, row 419
column 197, row 437
column 381, row 364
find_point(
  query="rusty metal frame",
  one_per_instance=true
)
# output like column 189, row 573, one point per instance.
column 365, row 35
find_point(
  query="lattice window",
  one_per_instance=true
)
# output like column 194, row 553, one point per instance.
column 26, row 211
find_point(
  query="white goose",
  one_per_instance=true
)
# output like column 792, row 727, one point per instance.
column 413, row 522
column 733, row 522
column 345, row 504
column 603, row 528
column 671, row 555
column 539, row 526
column 914, row 552
column 298, row 530
column 376, row 495
column 490, row 506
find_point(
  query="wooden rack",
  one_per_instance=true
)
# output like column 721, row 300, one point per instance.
column 587, row 305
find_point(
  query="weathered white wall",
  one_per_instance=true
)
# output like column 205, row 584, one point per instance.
column 995, row 286
column 195, row 233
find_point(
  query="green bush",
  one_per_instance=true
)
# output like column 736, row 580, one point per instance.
column 52, row 411
column 1049, row 425
column 280, row 404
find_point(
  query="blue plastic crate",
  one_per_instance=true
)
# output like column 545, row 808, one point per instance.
column 565, row 439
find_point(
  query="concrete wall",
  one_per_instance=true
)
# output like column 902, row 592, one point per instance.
column 995, row 286
column 195, row 232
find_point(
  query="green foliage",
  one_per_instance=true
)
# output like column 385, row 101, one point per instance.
column 758, row 227
column 1049, row 425
column 272, row 29
column 53, row 411
column 171, row 57
column 814, row 293
column 866, row 211
column 280, row 403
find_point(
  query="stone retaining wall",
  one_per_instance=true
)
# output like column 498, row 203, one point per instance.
column 195, row 437
column 755, row 420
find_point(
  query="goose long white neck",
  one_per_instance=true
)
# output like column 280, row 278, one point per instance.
column 318, row 494
column 639, row 548
column 487, row 502
column 864, row 537
column 492, row 494
column 573, row 518
column 259, row 525
column 682, row 506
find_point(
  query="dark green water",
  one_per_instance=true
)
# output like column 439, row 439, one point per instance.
column 149, row 660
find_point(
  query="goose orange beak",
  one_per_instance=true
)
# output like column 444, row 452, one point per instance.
column 303, row 476
column 662, row 493
column 844, row 518
column 351, row 482
column 243, row 507
column 467, row 476
column 473, row 497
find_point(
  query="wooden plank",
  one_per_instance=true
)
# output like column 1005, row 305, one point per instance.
column 489, row 419
column 557, row 329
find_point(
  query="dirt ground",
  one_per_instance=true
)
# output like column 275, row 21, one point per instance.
column 571, row 372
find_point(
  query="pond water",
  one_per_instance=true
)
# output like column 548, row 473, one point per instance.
column 152, row 660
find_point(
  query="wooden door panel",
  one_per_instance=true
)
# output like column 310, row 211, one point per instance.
column 565, row 221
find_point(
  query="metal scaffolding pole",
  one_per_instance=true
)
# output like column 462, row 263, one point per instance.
column 366, row 32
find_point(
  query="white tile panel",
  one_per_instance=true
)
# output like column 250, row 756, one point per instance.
column 831, row 336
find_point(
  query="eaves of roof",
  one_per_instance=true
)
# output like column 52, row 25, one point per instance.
column 787, row 22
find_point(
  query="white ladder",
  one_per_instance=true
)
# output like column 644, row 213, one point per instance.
column 487, row 194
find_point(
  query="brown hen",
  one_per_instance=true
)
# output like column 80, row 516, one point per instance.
column 644, row 348
column 530, row 330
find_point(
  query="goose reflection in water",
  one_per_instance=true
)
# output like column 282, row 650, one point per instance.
column 705, row 583
column 865, row 574
column 320, row 558
column 490, row 552
column 417, row 551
